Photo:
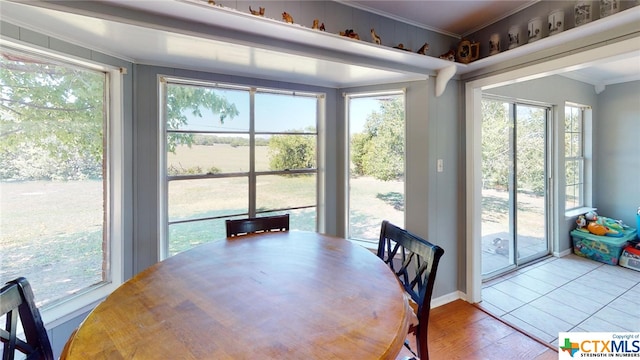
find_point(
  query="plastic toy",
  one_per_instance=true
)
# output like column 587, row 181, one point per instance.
column 599, row 225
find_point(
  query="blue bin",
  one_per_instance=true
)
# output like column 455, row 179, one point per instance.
column 606, row 249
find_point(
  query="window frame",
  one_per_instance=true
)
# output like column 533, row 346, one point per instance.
column 252, row 174
column 579, row 158
column 71, row 306
column 348, row 96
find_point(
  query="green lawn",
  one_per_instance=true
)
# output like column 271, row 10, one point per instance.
column 51, row 232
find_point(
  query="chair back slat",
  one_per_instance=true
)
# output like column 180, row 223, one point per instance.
column 246, row 226
column 17, row 302
column 415, row 262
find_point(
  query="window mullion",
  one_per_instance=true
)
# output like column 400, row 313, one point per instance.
column 252, row 153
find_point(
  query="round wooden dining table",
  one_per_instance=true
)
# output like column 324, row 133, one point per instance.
column 278, row 295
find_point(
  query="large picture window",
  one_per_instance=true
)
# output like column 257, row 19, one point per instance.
column 54, row 165
column 234, row 151
column 376, row 162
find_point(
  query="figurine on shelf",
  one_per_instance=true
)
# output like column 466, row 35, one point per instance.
column 259, row 12
column 211, row 2
column 449, row 55
column 350, row 34
column 287, row 17
column 467, row 51
column 315, row 25
column 401, row 47
column 423, row 49
column 375, row 38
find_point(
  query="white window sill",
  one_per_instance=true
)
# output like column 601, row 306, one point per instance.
column 74, row 306
column 578, row 211
column 370, row 245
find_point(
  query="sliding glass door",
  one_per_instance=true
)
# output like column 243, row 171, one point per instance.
column 514, row 185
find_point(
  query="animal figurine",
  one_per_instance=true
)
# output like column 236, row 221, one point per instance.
column 287, row 17
column 259, row 12
column 322, row 27
column 316, row 24
column 350, row 34
column 376, row 39
column 582, row 223
column 401, row 47
column 423, row 49
column 449, row 55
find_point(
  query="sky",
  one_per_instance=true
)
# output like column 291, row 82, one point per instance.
column 277, row 112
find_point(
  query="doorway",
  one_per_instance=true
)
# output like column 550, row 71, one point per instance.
column 514, row 201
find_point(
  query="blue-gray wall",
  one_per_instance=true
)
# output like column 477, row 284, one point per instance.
column 435, row 205
column 616, row 158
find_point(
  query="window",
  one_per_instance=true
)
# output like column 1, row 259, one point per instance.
column 234, row 151
column 574, row 156
column 59, row 206
column 376, row 162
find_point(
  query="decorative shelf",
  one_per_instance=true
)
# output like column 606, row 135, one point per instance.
column 193, row 34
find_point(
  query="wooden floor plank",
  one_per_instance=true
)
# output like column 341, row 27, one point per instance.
column 459, row 330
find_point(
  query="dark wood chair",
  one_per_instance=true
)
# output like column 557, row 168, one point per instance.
column 16, row 301
column 415, row 262
column 257, row 224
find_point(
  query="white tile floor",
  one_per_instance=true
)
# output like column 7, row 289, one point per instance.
column 568, row 294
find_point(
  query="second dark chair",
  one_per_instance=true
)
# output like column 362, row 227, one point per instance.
column 16, row 302
column 258, row 224
column 415, row 265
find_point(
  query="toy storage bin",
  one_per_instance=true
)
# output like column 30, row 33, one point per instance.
column 606, row 249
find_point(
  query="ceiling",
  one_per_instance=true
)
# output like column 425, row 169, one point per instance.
column 462, row 17
column 163, row 46
column 454, row 17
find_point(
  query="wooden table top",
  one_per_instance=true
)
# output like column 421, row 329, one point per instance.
column 279, row 295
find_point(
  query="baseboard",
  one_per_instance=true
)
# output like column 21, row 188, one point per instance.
column 563, row 253
column 447, row 298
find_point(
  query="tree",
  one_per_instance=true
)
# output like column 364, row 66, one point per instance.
column 379, row 150
column 496, row 148
column 184, row 99
column 52, row 117
column 294, row 151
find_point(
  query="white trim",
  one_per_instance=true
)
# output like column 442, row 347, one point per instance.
column 60, row 312
column 473, row 98
column 447, row 298
column 473, row 93
column 578, row 211
column 563, row 253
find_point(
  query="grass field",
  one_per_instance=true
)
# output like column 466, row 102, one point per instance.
column 51, row 232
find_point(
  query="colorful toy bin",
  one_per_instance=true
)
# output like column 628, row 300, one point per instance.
column 606, row 249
